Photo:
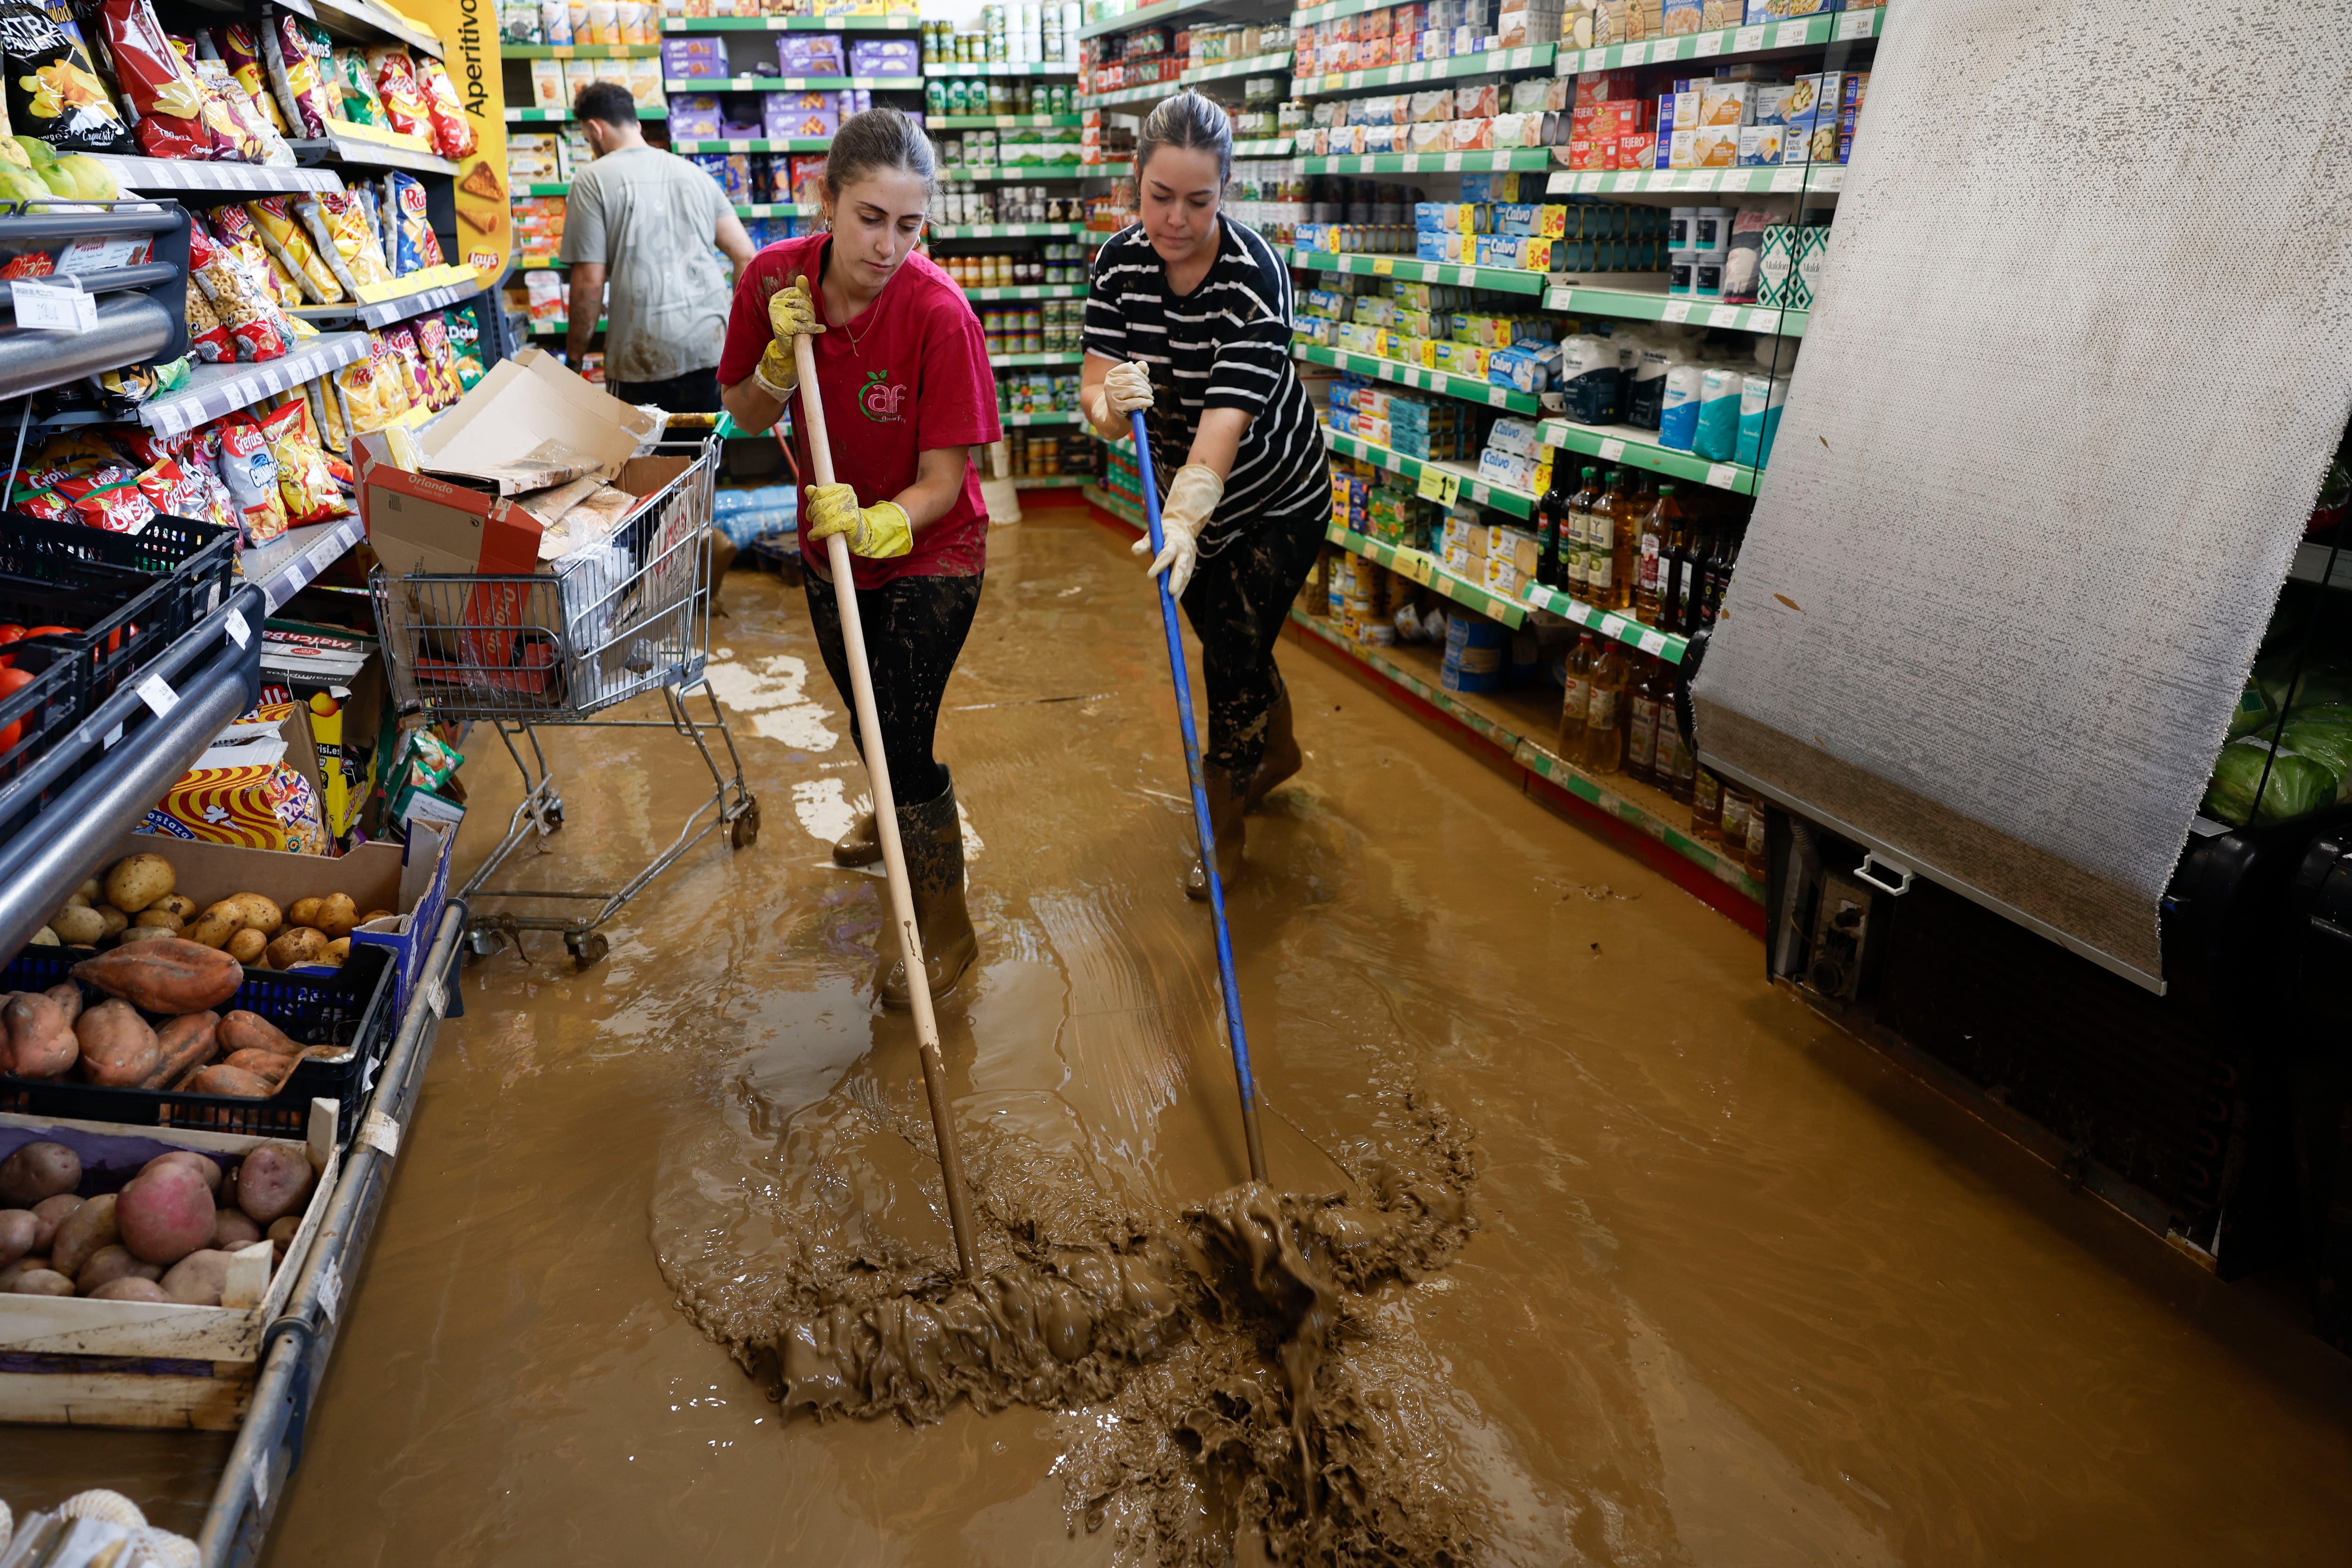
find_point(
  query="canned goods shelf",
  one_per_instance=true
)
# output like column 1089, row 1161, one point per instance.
column 1029, row 291
column 1470, row 163
column 1505, row 280
column 1468, row 388
column 1421, row 567
column 1534, row 57
column 1256, row 65
column 1518, row 503
column 1149, row 92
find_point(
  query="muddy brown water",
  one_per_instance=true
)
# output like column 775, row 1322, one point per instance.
column 1740, row 1290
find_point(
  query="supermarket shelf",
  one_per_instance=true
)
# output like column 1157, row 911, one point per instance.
column 383, row 312
column 1144, row 16
column 1267, row 147
column 214, row 390
column 149, row 175
column 1728, row 43
column 294, row 560
column 1518, row 503
column 778, row 209
column 1640, row 449
column 578, row 51
column 544, row 188
column 1256, row 65
column 357, row 22
column 2310, row 565
column 1058, row 416
column 1029, row 291
column 1504, row 279
column 559, row 116
column 790, row 84
column 1149, row 92
column 556, row 326
column 786, row 144
column 1647, row 305
column 1431, row 163
column 1810, row 179
column 1047, row 481
column 1611, row 624
column 997, row 121
column 1425, row 569
column 341, row 147
column 960, row 69
column 905, row 21
column 1468, row 388
column 1006, row 230
column 1485, row 63
column 1515, row 734
column 979, row 172
column 1011, row 362
column 1119, row 506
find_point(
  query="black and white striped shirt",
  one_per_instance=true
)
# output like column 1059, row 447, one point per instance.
column 1224, row 345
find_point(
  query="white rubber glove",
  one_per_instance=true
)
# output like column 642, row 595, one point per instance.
column 1191, row 500
column 1126, row 387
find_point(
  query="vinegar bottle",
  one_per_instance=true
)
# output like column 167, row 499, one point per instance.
column 1604, row 719
column 1578, row 699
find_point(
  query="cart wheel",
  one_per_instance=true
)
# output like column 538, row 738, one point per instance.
column 484, row 941
column 747, row 827
column 553, row 815
column 587, row 950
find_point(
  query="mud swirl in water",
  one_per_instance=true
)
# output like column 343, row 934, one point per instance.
column 1206, row 1361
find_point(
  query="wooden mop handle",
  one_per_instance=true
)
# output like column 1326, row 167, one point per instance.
column 886, row 826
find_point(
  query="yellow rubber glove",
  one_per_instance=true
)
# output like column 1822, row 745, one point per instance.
column 1126, row 387
column 791, row 314
column 877, row 532
column 1192, row 496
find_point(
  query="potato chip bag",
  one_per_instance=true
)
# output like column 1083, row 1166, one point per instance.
column 453, row 133
column 260, row 329
column 156, row 83
column 286, row 50
column 42, row 501
column 465, row 344
column 172, row 489
column 440, row 365
column 304, row 483
column 241, row 51
column 55, row 93
column 282, row 233
column 250, row 472
column 340, row 232
column 208, row 339
column 110, row 499
column 405, row 107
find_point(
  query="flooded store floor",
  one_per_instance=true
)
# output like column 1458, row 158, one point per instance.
column 1613, row 1253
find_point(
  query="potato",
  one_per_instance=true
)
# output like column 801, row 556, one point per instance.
column 130, row 1287
column 234, row 1229
column 51, row 1213
column 108, row 1264
column 179, row 904
column 82, row 1233
column 271, row 1183
column 282, row 1230
column 222, row 1078
column 118, row 1049
column 165, row 1213
column 339, row 951
column 160, row 918
column 38, row 1042
column 78, row 925
column 169, row 975
column 213, row 929
column 248, row 946
column 43, row 1282
column 39, row 1170
column 17, row 1229
column 303, row 912
column 261, row 913
column 204, row 1166
column 89, row 892
column 373, row 916
column 44, row 937
column 337, row 915
column 12, row 1272
column 142, row 933
column 115, row 919
column 138, row 881
column 296, row 944
column 197, row 1279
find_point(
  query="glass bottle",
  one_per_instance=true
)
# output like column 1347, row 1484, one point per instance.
column 1681, row 783
column 1732, row 836
column 1551, row 523
column 1642, row 721
column 1664, row 521
column 1624, row 541
column 1674, row 574
column 1757, row 858
column 1690, row 578
column 1601, row 548
column 1707, row 807
column 1604, row 718
column 1580, row 527
column 1719, row 564
column 1577, row 698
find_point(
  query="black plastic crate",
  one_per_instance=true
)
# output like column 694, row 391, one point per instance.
column 350, row 1006
column 122, row 614
column 35, row 714
column 201, row 556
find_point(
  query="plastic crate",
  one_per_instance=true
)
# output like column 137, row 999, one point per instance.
column 129, row 596
column 35, row 714
column 349, row 1006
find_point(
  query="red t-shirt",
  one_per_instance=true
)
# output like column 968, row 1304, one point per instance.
column 917, row 379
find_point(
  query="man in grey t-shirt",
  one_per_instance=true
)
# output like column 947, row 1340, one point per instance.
column 645, row 220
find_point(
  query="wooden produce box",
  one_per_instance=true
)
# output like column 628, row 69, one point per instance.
column 69, row 1361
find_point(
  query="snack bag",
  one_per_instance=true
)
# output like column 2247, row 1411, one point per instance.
column 327, row 410
column 282, row 233
column 208, row 339
column 355, row 389
column 170, row 490
column 241, row 51
column 419, row 246
column 356, row 83
column 254, row 128
column 42, row 501
column 250, row 473
column 304, row 483
column 54, row 90
column 254, row 321
column 156, row 83
column 440, row 365
column 226, row 116
column 403, row 100
column 294, row 75
column 465, row 330
column 392, row 383
column 110, row 499
column 452, row 132
column 340, row 230
column 402, row 342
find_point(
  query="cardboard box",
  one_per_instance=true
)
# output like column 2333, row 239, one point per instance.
column 249, row 789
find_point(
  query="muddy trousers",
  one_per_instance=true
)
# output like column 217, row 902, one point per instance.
column 1237, row 601
column 915, row 627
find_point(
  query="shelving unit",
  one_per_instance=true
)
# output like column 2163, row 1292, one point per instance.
column 1470, row 389
column 1017, row 362
column 562, row 116
column 900, row 23
column 1491, row 160
column 1515, row 504
column 790, row 84
column 1059, row 416
column 1488, row 63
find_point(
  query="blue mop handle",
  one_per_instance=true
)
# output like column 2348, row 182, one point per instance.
column 1201, row 812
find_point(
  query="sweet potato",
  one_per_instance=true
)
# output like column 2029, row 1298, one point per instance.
column 81, row 1232
column 51, row 1213
column 337, row 915
column 108, row 1264
column 17, row 1229
column 118, row 1049
column 165, row 1213
column 296, row 944
column 220, row 1079
column 246, row 1031
column 138, row 881
column 39, row 1170
column 248, row 946
column 167, row 975
column 197, row 1279
column 67, row 996
column 213, row 929
column 38, row 1039
column 43, row 1282
column 204, row 1166
column 187, row 1043
column 266, row 1065
column 271, row 1181
column 130, row 1287
column 233, row 1228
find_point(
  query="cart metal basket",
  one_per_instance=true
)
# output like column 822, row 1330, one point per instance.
column 615, row 620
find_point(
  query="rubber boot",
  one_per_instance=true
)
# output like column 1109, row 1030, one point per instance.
column 1282, row 758
column 932, row 839
column 861, row 845
column 1226, row 826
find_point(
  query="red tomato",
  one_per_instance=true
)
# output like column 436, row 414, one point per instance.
column 54, row 632
column 11, row 632
column 12, row 679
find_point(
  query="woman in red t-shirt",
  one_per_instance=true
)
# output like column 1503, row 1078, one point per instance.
column 903, row 367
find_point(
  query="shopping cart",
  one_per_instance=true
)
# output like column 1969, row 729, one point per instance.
column 615, row 620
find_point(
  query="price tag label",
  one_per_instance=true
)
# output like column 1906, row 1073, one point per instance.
column 1453, row 163
column 239, row 632
column 54, row 307
column 1587, row 183
column 1498, row 397
column 1417, row 567
column 261, row 1484
column 112, row 736
column 382, row 1133
column 1653, row 642
column 1832, row 179
column 1417, row 71
column 157, row 693
column 1611, row 449
column 1677, row 311
column 1613, row 626
column 1723, row 316
column 1790, row 35
column 1706, row 44
column 331, row 1292
column 1385, row 266
column 437, row 999
column 1637, row 54
column 1439, row 486
column 1788, row 179
column 792, row 83
column 1854, row 24
column 1746, row 39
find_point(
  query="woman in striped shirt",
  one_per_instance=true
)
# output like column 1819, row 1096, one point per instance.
column 1188, row 318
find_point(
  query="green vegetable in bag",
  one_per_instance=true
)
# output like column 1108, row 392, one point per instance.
column 2297, row 786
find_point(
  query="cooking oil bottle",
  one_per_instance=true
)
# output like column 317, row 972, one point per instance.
column 1575, row 704
column 1604, row 718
